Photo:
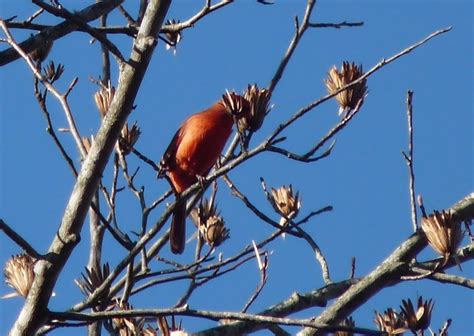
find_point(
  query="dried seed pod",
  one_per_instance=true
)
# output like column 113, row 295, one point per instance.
column 285, row 203
column 235, row 104
column 19, row 273
column 87, row 142
column 149, row 331
column 347, row 99
column 211, row 226
column 127, row 326
column 173, row 37
column 203, row 212
column 348, row 322
column 52, row 72
column 443, row 232
column 174, row 330
column 128, row 138
column 178, row 333
column 214, row 231
column 103, row 98
column 390, row 322
column 419, row 319
column 92, row 279
column 258, row 100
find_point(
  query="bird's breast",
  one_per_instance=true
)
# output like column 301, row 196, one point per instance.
column 202, row 140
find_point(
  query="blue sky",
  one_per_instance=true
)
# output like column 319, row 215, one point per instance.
column 365, row 178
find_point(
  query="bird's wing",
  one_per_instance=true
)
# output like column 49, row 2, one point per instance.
column 167, row 159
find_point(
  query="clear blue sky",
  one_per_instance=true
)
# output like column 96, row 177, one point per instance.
column 365, row 178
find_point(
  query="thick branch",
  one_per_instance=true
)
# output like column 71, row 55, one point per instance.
column 297, row 302
column 130, row 31
column 386, row 274
column 33, row 314
column 68, row 16
column 88, row 14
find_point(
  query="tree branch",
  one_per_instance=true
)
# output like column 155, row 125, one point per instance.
column 77, row 20
column 386, row 274
column 19, row 240
column 297, row 302
column 336, row 25
column 409, row 160
column 33, row 315
column 89, row 13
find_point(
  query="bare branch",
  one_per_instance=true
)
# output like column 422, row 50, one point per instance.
column 77, row 20
column 33, row 314
column 336, row 25
column 387, row 273
column 259, row 320
column 19, row 240
column 145, row 159
column 207, row 9
column 89, row 13
column 318, row 254
column 451, row 279
column 297, row 302
column 263, row 266
column 35, row 15
column 236, row 192
column 409, row 160
column 41, row 98
column 374, row 69
column 62, row 98
column 300, row 30
column 129, row 31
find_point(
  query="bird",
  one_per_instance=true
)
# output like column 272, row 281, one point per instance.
column 193, row 151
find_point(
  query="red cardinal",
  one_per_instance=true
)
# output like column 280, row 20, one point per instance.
column 195, row 148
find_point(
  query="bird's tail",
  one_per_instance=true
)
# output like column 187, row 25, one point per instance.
column 178, row 228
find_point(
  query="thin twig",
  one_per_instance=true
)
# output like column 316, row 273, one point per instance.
column 127, row 16
column 105, row 54
column 145, row 159
column 336, row 25
column 129, row 283
column 304, row 157
column 34, row 16
column 207, row 9
column 263, row 266
column 353, row 268
column 299, row 32
column 450, row 278
column 19, row 240
column 41, row 98
column 187, row 294
column 374, row 69
column 61, row 97
column 236, row 192
column 409, row 160
column 444, row 330
column 318, row 255
column 312, row 214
